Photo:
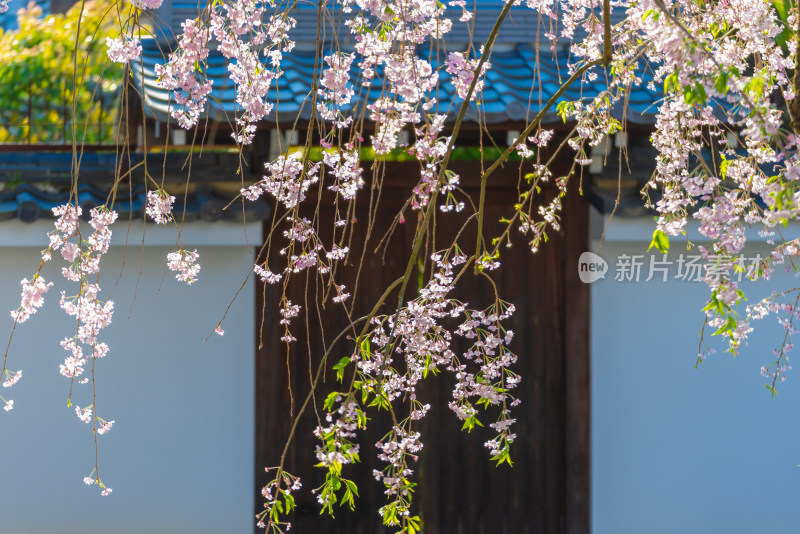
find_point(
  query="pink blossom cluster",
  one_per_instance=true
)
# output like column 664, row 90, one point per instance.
column 32, row 298
column 84, row 414
column 466, row 15
column 243, row 38
column 252, row 77
column 390, row 117
column 678, row 135
column 409, row 81
column 86, row 260
column 345, row 167
column 335, row 91
column 3, row 9
column 400, row 446
column 418, row 337
column 66, row 227
column 147, row 4
column 123, row 49
column 430, row 145
column 179, row 76
column 304, row 251
column 288, row 312
column 288, row 180
column 423, row 340
column 96, row 480
column 541, row 138
column 266, row 275
column 337, row 438
column 431, row 148
column 463, row 71
column 99, row 241
column 278, row 492
column 92, row 314
column 787, row 312
column 494, row 380
column 394, row 450
column 11, row 378
column 411, row 78
column 84, row 255
column 159, row 206
column 185, row 265
column 724, row 94
column 717, row 101
column 105, row 426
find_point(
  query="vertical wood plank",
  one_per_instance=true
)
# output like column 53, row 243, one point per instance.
column 578, row 368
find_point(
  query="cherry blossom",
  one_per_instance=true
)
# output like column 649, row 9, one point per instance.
column 463, row 72
column 11, row 378
column 266, row 275
column 185, row 265
column 288, row 181
column 84, row 414
column 105, row 426
column 147, row 4
column 159, row 206
column 32, row 298
column 123, row 50
column 725, row 133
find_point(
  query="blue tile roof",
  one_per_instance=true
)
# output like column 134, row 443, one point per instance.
column 33, row 182
column 511, row 92
column 29, row 202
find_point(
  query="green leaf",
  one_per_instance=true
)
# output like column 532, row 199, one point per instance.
column 289, row 502
column 362, row 418
column 755, row 87
column 503, row 457
column 729, row 326
column 565, row 109
column 782, row 7
column 381, row 401
column 721, row 83
column 470, row 423
column 413, row 524
column 329, row 400
column 671, row 83
column 351, row 486
column 340, row 367
column 660, row 241
column 699, row 92
column 366, row 351
column 723, row 167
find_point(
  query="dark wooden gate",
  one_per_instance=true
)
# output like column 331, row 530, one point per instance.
column 460, row 490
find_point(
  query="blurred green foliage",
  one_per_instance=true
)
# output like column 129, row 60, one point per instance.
column 36, row 69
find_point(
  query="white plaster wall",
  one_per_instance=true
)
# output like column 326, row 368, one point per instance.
column 679, row 450
column 180, row 456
